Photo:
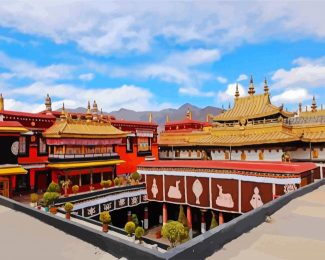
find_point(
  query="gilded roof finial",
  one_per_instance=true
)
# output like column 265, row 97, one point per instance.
column 189, row 114
column 63, row 115
column 95, row 108
column 251, row 89
column 313, row 105
column 48, row 104
column 2, row 103
column 300, row 107
column 266, row 87
column 88, row 113
column 150, row 117
column 167, row 118
column 101, row 116
column 237, row 92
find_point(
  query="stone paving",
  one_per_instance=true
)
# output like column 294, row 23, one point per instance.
column 297, row 231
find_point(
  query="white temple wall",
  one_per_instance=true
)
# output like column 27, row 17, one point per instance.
column 218, row 155
column 273, row 155
column 304, row 154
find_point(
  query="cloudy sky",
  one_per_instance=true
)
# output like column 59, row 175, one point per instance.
column 148, row 55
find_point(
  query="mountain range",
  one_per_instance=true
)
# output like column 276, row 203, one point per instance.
column 159, row 117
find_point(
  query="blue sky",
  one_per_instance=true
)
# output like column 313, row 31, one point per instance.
column 149, row 55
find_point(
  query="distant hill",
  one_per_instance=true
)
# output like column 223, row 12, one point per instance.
column 160, row 116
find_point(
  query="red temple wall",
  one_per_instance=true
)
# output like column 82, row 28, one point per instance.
column 132, row 160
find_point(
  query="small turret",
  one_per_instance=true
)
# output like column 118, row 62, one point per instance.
column 88, row 113
column 266, row 87
column 189, row 114
column 48, row 104
column 237, row 92
column 251, row 89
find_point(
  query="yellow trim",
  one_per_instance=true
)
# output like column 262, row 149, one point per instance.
column 83, row 164
column 12, row 171
column 13, row 129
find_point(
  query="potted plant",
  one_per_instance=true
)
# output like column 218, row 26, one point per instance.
column 50, row 196
column 105, row 218
column 158, row 234
column 129, row 228
column 139, row 232
column 75, row 189
column 106, row 184
column 136, row 177
column 33, row 199
column 68, row 207
column 175, row 232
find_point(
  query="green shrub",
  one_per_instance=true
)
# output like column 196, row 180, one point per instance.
column 106, row 184
column 129, row 227
column 50, row 197
column 53, row 187
column 135, row 219
column 175, row 232
column 105, row 217
column 181, row 216
column 136, row 176
column 139, row 232
column 68, row 207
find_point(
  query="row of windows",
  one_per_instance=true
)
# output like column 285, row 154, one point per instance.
column 24, row 146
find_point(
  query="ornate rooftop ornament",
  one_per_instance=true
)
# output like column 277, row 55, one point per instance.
column 237, row 92
column 150, row 117
column 251, row 89
column 313, row 105
column 266, row 87
column 167, row 118
column 188, row 114
column 88, row 113
column 48, row 103
column 300, row 107
column 63, row 115
column 101, row 119
column 95, row 108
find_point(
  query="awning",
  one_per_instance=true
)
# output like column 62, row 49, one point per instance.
column 143, row 133
column 16, row 170
column 73, row 165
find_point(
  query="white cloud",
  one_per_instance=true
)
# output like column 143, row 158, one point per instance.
column 23, row 69
column 126, row 96
column 222, row 80
column 306, row 73
column 111, row 27
column 292, row 96
column 229, row 93
column 242, row 77
column 87, row 76
column 192, row 91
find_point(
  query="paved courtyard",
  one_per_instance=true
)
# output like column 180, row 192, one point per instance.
column 297, row 231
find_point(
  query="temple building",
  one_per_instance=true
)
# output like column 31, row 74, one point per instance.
column 253, row 130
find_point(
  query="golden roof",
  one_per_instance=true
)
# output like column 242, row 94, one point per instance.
column 12, row 170
column 248, row 139
column 312, row 113
column 250, row 107
column 82, row 129
column 313, row 137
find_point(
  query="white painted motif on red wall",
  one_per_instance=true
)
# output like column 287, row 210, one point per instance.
column 197, row 189
column 174, row 192
column 256, row 200
column 224, row 199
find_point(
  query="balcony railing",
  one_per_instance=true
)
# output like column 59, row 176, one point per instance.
column 82, row 157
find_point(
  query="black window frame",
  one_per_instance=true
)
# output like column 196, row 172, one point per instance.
column 39, row 152
column 27, row 142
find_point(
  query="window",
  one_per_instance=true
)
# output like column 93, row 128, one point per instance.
column 97, row 178
column 41, row 146
column 143, row 144
column 129, row 145
column 107, row 176
column 22, row 145
column 85, row 179
column 74, row 179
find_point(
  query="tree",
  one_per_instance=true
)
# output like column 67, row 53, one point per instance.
column 135, row 219
column 213, row 221
column 139, row 232
column 129, row 227
column 105, row 218
column 68, row 207
column 175, row 232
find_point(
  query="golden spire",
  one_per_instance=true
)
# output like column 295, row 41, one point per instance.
column 150, row 117
column 63, row 115
column 208, row 116
column 188, row 114
column 237, row 92
column 251, row 89
column 266, row 87
column 2, row 103
column 314, row 105
column 101, row 116
column 88, row 113
column 300, row 107
column 95, row 108
column 167, row 118
column 48, row 104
